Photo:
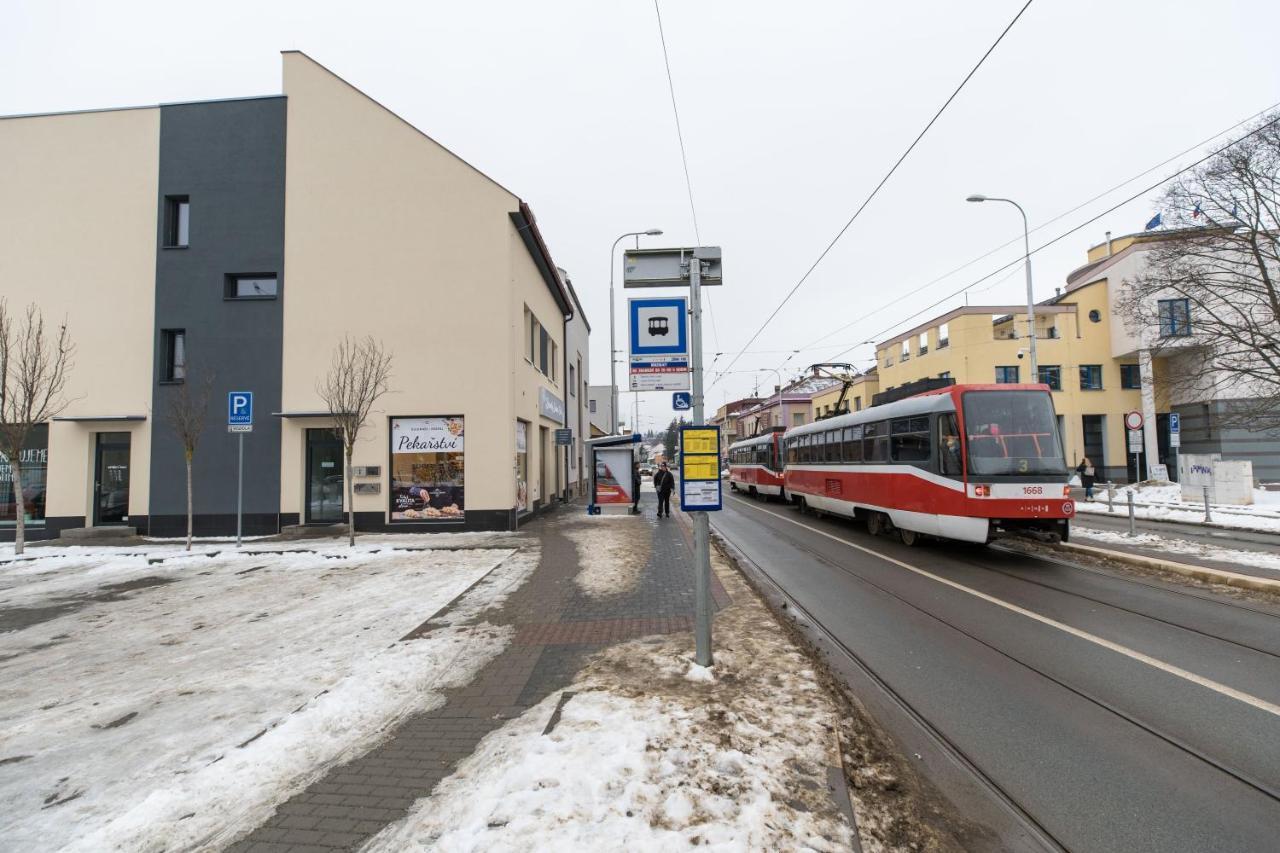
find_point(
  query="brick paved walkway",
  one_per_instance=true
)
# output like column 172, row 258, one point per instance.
column 557, row 628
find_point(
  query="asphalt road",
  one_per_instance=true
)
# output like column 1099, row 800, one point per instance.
column 1107, row 713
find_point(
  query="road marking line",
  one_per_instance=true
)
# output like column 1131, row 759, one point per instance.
column 1217, row 687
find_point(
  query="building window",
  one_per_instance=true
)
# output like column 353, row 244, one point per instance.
column 1051, row 375
column 1130, row 377
column 591, row 405
column 1095, row 316
column 1175, row 318
column 427, row 468
column 554, row 361
column 944, row 339
column 924, row 342
column 1007, row 374
column 1091, row 377
column 857, row 404
column 544, row 349
column 252, row 286
column 35, row 469
column 174, row 346
column 530, row 337
column 946, row 374
column 177, row 221
column 906, row 350
column 797, row 419
column 573, row 381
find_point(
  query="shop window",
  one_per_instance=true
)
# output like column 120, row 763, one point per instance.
column 1091, row 377
column 1007, row 374
column 427, row 456
column 173, row 345
column 1051, row 375
column 251, row 286
column 522, row 465
column 1130, row 377
column 177, row 221
column 34, row 462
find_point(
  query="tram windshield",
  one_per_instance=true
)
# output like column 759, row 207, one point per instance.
column 1012, row 432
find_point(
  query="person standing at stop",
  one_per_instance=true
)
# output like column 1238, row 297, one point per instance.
column 664, row 482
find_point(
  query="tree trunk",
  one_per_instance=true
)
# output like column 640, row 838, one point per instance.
column 20, row 503
column 189, row 511
column 351, row 504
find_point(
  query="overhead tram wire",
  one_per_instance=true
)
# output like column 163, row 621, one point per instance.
column 1063, row 235
column 684, row 158
column 879, row 186
column 1047, row 223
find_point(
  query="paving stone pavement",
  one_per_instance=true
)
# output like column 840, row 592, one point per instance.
column 557, row 628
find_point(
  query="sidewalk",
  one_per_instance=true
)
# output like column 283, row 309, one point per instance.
column 637, row 581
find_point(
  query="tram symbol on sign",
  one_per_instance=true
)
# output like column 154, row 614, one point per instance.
column 658, row 326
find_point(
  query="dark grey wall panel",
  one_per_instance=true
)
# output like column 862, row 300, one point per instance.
column 228, row 157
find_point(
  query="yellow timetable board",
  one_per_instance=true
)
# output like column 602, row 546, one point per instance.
column 701, row 441
column 700, row 467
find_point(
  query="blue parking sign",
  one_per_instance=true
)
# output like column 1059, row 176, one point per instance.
column 1175, row 422
column 239, row 408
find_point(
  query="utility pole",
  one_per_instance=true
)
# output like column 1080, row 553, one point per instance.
column 701, row 521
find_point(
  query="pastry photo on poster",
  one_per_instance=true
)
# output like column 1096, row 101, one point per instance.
column 427, row 469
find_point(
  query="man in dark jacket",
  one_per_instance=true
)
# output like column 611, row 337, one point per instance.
column 664, row 483
column 635, row 487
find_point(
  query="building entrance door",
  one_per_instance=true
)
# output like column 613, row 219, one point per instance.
column 1095, row 442
column 111, row 479
column 324, row 477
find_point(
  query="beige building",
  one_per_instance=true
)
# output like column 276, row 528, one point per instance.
column 240, row 240
column 862, row 388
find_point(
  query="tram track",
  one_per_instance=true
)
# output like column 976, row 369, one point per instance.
column 1008, row 798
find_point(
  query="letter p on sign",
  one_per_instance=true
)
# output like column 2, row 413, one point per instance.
column 239, row 408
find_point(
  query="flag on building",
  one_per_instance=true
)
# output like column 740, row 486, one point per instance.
column 1154, row 223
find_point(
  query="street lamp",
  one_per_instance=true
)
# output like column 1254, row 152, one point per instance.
column 613, row 351
column 1031, row 303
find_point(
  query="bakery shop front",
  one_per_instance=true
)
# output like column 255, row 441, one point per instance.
column 428, row 467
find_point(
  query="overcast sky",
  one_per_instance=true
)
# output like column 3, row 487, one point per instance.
column 792, row 112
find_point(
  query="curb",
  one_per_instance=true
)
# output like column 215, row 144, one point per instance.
column 1200, row 572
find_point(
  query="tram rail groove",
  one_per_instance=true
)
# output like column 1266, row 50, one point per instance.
column 945, row 746
column 1178, row 743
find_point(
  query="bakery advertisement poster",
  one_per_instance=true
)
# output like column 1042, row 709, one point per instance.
column 427, row 470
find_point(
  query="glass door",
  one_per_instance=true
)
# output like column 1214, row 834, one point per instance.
column 111, row 479
column 324, row 477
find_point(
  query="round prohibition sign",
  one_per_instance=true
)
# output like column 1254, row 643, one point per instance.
column 1133, row 420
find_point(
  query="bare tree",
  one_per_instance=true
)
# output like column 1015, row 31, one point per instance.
column 186, row 414
column 359, row 374
column 33, row 378
column 1222, row 256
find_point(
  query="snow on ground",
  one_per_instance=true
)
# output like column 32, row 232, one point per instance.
column 1152, row 542
column 1163, row 502
column 173, row 705
column 652, row 753
column 611, row 558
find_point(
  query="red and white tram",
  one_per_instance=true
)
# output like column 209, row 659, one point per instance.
column 755, row 465
column 966, row 462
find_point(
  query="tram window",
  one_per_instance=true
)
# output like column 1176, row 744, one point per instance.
column 875, row 442
column 833, row 446
column 1012, row 432
column 853, row 444
column 910, row 439
column 948, row 445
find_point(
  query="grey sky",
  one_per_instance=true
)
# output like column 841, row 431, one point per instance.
column 792, row 112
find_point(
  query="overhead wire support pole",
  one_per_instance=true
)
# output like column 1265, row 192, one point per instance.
column 701, row 521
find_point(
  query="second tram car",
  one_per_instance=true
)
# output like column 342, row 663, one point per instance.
column 966, row 462
column 755, row 465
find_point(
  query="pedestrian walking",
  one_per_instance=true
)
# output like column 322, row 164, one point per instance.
column 635, row 487
column 664, row 482
column 1087, row 477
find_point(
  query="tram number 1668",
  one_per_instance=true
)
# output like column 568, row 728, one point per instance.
column 1033, row 490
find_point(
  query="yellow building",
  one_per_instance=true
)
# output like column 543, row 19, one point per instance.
column 984, row 344
column 861, row 390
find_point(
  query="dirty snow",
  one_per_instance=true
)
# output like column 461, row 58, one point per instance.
column 1152, row 542
column 177, row 714
column 611, row 558
column 1163, row 502
column 643, row 759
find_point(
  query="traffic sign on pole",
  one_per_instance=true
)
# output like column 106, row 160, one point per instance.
column 240, row 420
column 682, row 401
column 1133, row 420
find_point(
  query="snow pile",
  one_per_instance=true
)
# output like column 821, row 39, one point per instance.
column 643, row 759
column 1152, row 542
column 177, row 715
column 1163, row 502
column 611, row 558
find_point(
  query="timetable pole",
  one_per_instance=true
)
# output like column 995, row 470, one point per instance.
column 701, row 521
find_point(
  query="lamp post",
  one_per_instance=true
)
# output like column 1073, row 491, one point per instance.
column 1031, row 302
column 613, row 351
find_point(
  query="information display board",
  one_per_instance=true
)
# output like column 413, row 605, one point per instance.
column 700, row 469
